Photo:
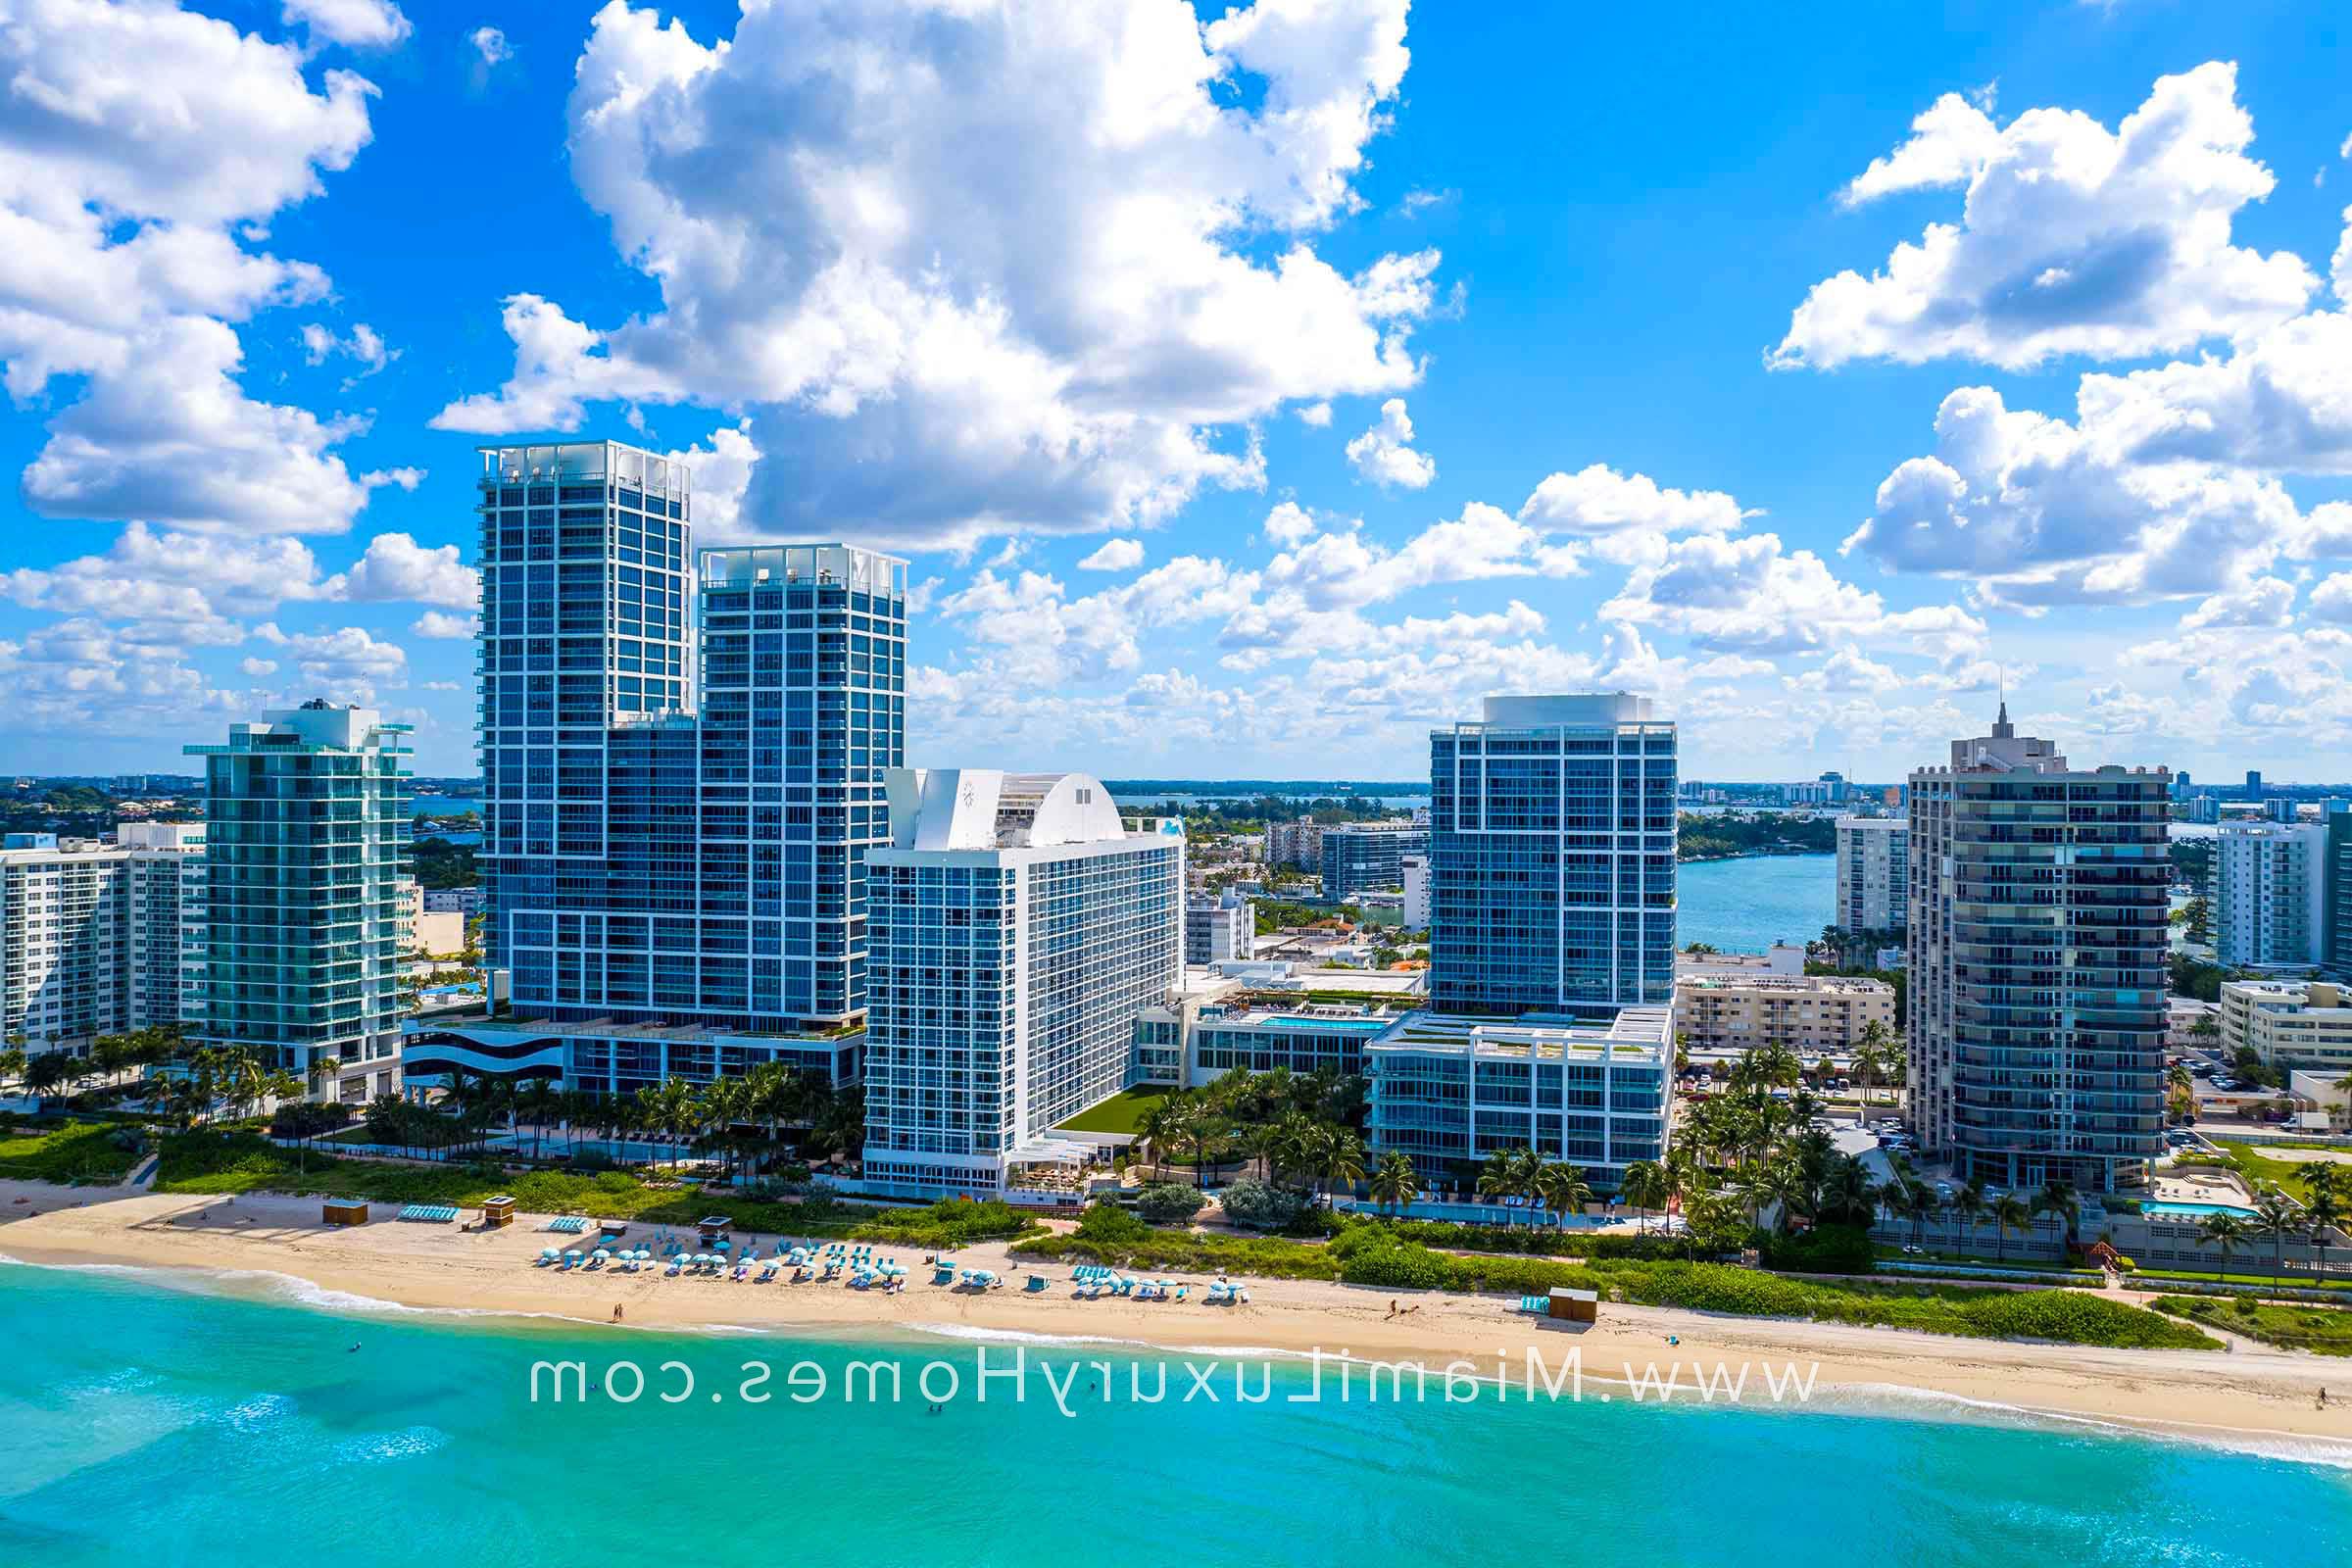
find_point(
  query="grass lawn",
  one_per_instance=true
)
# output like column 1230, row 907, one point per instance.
column 2323, row 1329
column 2251, row 1163
column 1122, row 1113
column 81, row 1153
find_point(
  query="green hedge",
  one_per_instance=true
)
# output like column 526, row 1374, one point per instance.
column 211, row 1163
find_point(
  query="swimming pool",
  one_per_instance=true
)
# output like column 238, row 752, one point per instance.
column 2166, row 1209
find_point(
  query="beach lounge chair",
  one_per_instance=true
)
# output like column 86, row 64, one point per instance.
column 1037, row 1282
column 676, row 1267
column 1539, row 1305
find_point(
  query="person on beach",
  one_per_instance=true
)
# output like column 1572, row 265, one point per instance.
column 616, row 1311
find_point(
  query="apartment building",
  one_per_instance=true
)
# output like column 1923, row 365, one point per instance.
column 94, row 935
column 1017, row 928
column 2293, row 1025
column 1551, row 858
column 1813, row 1015
column 2037, row 956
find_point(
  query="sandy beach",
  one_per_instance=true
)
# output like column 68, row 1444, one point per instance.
column 2246, row 1392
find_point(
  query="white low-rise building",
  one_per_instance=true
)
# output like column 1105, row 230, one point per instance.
column 2290, row 1024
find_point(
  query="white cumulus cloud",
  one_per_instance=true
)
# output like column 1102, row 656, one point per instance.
column 953, row 304
column 2072, row 239
column 1385, row 453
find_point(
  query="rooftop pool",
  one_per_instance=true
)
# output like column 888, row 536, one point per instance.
column 2167, row 1208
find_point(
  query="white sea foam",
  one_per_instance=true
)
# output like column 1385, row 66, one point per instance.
column 1901, row 1399
column 973, row 1332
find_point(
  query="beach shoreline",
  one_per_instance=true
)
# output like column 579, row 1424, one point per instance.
column 277, row 1246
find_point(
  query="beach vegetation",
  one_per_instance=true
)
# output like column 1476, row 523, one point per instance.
column 1373, row 1253
column 77, row 1153
column 1169, row 1203
column 218, row 1162
column 2324, row 1330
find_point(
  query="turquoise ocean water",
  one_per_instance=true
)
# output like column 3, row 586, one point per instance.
column 147, row 1424
column 1746, row 904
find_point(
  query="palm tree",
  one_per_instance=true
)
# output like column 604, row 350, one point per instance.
column 12, row 1062
column 1394, row 1184
column 1561, row 1187
column 1646, row 1187
column 1509, row 1173
column 2058, row 1198
column 1339, row 1158
column 2323, row 1207
column 2227, row 1232
column 2010, row 1214
column 1871, row 1050
column 1848, row 1196
column 1968, row 1208
column 1160, row 1128
column 1918, row 1200
column 2276, row 1217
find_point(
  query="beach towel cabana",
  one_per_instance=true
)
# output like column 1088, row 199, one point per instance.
column 344, row 1212
column 498, row 1212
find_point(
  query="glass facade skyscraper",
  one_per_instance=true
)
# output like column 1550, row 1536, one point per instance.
column 682, row 764
column 2038, row 936
column 306, row 850
column 1551, row 858
column 804, row 682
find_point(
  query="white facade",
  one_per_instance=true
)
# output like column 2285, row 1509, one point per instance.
column 1874, row 873
column 2290, row 1024
column 93, row 936
column 1220, row 930
column 1416, row 892
column 2269, row 895
column 1016, row 928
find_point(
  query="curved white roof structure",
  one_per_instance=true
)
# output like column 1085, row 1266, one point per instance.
column 987, row 808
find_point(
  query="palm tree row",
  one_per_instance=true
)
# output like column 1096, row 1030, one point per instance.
column 1299, row 1128
column 741, row 1119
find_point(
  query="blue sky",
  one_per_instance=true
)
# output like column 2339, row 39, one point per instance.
column 1250, row 391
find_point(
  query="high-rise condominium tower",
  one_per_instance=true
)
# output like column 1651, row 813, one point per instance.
column 803, row 680
column 305, row 856
column 93, row 936
column 1551, row 858
column 682, row 768
column 2037, row 938
column 1018, row 926
column 2269, row 895
column 1874, row 873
